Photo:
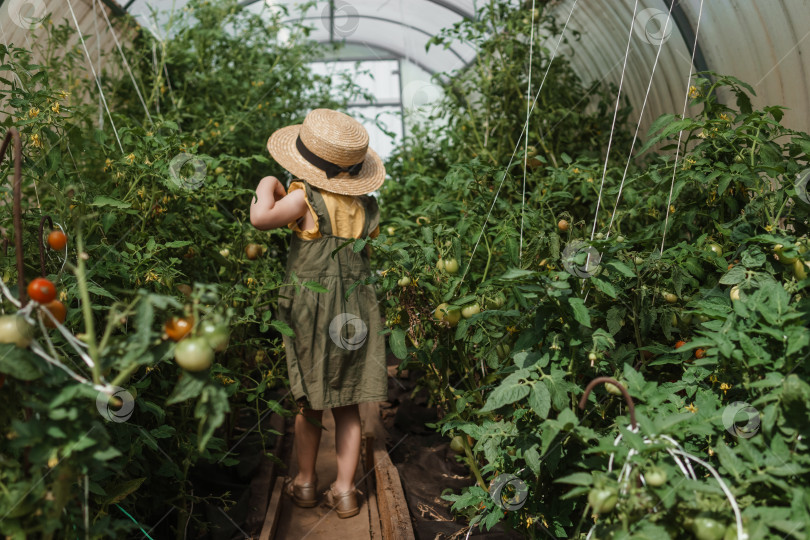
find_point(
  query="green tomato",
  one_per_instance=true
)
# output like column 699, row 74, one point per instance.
column 706, row 528
column 440, row 264
column 592, row 356
column 800, row 269
column 602, row 500
column 638, row 260
column 194, row 354
column 217, row 335
column 404, row 281
column 613, row 389
column 715, row 248
column 457, row 444
column 671, row 298
column 734, row 293
column 447, row 314
column 451, row 266
column 787, row 261
column 496, row 302
column 15, row 330
column 620, row 239
column 731, row 532
column 655, row 477
column 470, row 310
column 502, row 351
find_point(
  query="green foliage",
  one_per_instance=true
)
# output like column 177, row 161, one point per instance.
column 153, row 230
column 511, row 376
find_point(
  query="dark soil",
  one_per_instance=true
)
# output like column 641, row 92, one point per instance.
column 427, row 467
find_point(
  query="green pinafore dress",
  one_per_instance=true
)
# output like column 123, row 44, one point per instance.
column 337, row 356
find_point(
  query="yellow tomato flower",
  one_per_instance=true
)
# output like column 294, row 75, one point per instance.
column 33, row 112
column 36, row 141
column 131, row 158
column 725, row 387
column 694, row 92
column 55, row 107
column 691, row 408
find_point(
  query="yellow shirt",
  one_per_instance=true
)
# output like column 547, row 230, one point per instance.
column 346, row 216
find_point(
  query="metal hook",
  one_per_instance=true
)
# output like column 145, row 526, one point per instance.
column 17, row 156
column 630, row 405
column 42, row 221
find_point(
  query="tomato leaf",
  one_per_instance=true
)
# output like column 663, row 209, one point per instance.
column 397, row 343
column 604, row 286
column 580, row 311
column 101, row 200
column 314, row 286
column 505, row 394
column 19, row 363
column 283, row 327
column 189, row 386
column 734, row 276
column 540, row 399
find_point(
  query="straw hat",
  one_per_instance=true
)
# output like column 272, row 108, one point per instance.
column 330, row 151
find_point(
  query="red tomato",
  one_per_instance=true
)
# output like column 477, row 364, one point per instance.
column 679, row 344
column 57, row 240
column 58, row 310
column 41, row 290
column 177, row 327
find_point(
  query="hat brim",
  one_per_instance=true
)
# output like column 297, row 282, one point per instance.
column 281, row 146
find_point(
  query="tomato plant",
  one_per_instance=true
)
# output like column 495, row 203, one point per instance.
column 660, row 319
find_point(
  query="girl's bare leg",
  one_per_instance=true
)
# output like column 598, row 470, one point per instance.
column 347, row 443
column 307, row 441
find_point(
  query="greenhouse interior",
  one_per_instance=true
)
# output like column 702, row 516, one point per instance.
column 405, row 269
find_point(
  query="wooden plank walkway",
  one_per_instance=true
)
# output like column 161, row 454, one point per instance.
column 383, row 512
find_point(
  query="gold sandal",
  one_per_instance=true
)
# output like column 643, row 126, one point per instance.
column 345, row 504
column 303, row 495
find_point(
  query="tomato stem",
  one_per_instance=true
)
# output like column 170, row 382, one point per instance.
column 87, row 310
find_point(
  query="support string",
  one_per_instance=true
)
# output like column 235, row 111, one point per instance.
column 613, row 125
column 93, row 70
column 526, row 141
column 641, row 115
column 126, row 65
column 520, row 139
column 680, row 133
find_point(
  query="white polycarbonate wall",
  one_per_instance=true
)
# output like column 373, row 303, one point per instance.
column 761, row 42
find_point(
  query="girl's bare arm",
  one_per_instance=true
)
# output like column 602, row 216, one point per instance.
column 273, row 208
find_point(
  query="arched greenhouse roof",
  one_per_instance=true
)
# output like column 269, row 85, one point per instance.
column 761, row 42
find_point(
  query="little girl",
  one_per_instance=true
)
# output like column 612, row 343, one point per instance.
column 337, row 357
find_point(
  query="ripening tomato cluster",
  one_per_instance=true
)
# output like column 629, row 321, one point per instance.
column 196, row 346
column 14, row 329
